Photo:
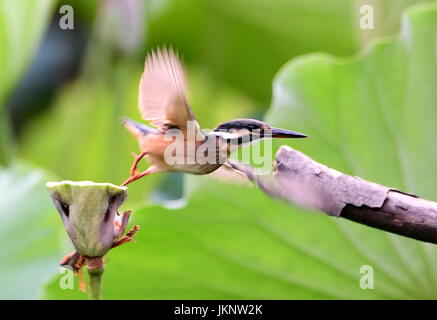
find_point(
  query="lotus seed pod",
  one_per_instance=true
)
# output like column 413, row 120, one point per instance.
column 89, row 213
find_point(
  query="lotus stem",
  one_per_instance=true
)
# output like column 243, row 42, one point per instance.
column 95, row 269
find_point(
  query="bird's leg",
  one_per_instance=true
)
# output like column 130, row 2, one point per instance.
column 133, row 169
column 139, row 175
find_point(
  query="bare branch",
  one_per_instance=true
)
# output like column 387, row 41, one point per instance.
column 302, row 181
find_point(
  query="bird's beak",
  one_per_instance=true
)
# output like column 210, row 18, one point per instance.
column 282, row 133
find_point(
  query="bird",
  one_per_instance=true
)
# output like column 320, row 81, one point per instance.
column 175, row 141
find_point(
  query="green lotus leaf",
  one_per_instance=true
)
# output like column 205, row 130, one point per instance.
column 30, row 233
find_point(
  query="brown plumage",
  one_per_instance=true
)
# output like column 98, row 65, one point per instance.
column 162, row 102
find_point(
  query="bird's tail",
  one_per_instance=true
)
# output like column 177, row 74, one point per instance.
column 136, row 128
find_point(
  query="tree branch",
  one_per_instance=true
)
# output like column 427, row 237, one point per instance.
column 302, row 181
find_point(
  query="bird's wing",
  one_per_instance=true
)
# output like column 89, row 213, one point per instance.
column 162, row 98
column 227, row 173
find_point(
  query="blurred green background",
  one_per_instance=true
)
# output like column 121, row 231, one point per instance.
column 367, row 98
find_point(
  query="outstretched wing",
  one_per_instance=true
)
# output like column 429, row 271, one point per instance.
column 162, row 98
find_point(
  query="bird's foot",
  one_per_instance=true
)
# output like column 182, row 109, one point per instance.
column 130, row 179
column 137, row 176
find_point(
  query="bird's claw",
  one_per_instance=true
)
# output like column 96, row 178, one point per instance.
column 130, row 179
column 138, row 175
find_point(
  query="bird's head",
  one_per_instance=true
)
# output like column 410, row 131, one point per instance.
column 245, row 131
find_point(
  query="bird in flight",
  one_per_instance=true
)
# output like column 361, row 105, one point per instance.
column 176, row 141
